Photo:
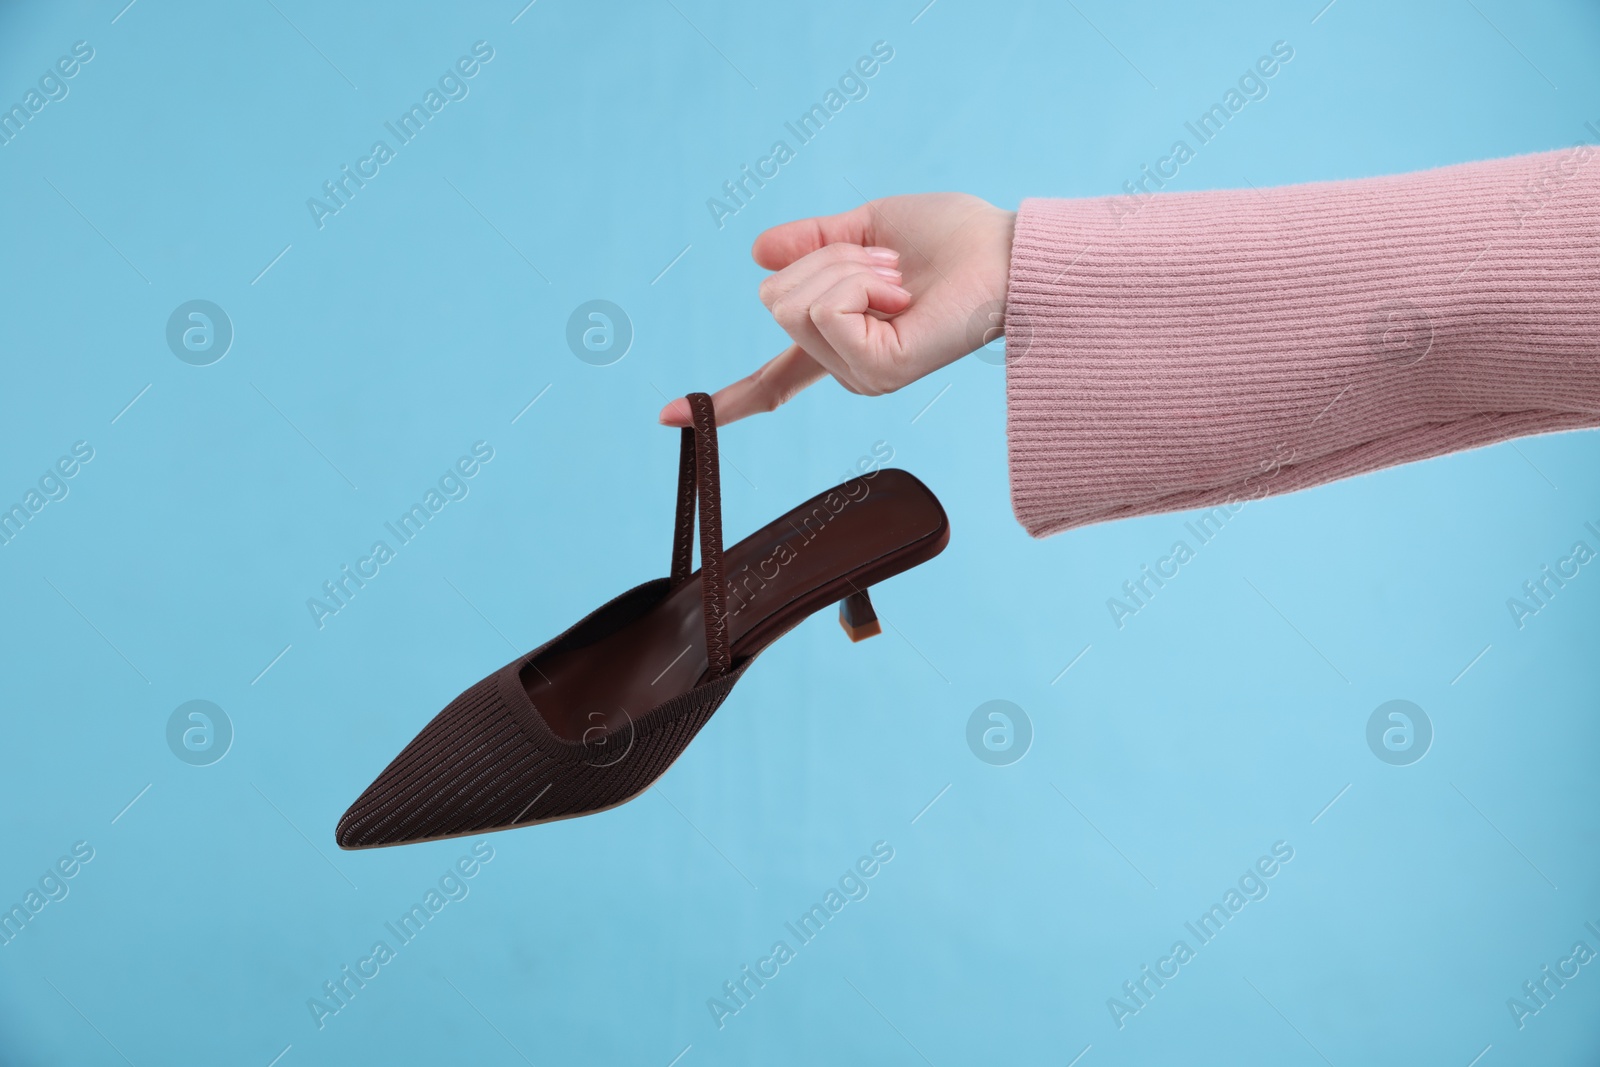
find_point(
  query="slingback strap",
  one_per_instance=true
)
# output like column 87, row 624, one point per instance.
column 683, row 524
column 698, row 478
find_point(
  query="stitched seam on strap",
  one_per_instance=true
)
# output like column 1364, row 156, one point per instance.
column 683, row 524
column 708, row 486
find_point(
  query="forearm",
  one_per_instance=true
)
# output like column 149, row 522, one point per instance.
column 1193, row 349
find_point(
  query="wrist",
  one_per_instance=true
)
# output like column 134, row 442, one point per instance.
column 1006, row 233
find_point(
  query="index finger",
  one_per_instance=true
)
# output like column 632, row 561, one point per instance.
column 774, row 383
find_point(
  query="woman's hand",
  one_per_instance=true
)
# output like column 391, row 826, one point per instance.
column 877, row 297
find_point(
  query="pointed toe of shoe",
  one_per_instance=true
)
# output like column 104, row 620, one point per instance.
column 470, row 770
column 489, row 762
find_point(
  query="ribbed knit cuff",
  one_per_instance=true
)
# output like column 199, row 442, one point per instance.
column 1181, row 350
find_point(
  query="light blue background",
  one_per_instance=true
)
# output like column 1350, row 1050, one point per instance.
column 375, row 351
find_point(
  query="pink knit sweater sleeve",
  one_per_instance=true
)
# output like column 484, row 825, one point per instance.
column 1179, row 350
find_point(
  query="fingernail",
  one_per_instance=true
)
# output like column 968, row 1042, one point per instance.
column 902, row 290
column 887, row 272
column 887, row 255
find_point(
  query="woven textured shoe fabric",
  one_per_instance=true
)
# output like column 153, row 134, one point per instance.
column 487, row 762
column 593, row 717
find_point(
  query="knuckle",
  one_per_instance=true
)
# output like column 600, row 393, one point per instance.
column 784, row 311
column 766, row 396
column 834, row 253
column 874, row 381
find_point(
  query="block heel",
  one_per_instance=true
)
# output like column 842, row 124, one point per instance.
column 857, row 616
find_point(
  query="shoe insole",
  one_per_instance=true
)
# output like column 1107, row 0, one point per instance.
column 775, row 578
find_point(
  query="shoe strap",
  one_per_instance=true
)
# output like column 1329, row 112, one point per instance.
column 698, row 478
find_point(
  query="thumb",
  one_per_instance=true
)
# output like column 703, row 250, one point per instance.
column 780, row 246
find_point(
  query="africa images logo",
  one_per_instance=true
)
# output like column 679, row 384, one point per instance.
column 452, row 886
column 739, row 991
column 1252, row 885
column 53, row 88
column 452, row 86
column 453, row 485
column 852, row 85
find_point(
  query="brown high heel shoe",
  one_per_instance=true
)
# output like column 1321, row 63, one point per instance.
column 592, row 718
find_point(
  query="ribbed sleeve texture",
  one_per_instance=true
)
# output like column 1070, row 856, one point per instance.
column 1180, row 350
